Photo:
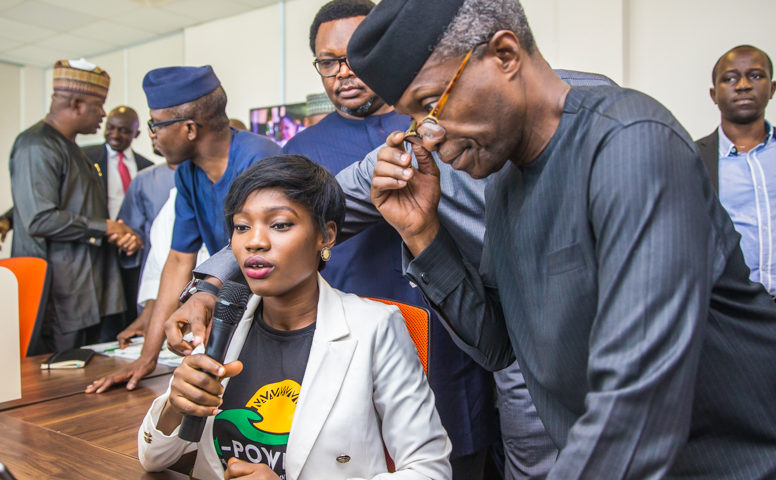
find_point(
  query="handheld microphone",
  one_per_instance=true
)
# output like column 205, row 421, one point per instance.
column 230, row 307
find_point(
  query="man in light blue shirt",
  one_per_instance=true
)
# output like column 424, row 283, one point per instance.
column 741, row 155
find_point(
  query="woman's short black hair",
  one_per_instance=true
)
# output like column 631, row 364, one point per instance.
column 300, row 179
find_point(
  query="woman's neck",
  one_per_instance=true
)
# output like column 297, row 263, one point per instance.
column 291, row 311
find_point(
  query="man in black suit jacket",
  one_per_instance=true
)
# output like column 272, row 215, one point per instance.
column 739, row 155
column 743, row 122
column 121, row 128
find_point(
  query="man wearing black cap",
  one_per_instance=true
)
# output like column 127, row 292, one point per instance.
column 609, row 269
column 190, row 128
column 60, row 212
column 369, row 264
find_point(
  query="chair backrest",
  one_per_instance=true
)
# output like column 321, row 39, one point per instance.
column 418, row 323
column 33, row 278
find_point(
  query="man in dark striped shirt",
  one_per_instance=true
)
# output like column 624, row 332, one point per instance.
column 609, row 269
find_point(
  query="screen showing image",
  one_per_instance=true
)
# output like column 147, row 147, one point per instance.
column 279, row 122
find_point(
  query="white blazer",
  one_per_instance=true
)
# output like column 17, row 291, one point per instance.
column 363, row 386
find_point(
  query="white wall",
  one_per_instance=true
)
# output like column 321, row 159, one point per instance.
column 10, row 78
column 674, row 45
column 576, row 35
column 665, row 48
column 10, row 124
column 127, row 67
column 258, row 65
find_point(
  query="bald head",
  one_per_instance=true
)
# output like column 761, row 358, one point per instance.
column 125, row 111
column 121, row 128
column 743, row 86
column 730, row 54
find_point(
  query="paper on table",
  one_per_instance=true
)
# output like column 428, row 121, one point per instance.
column 132, row 352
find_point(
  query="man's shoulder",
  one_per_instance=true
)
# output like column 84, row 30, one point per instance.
column 584, row 79
column 142, row 162
column 710, row 139
column 95, row 152
column 94, row 148
column 622, row 107
column 150, row 174
column 33, row 134
column 249, row 143
column 39, row 136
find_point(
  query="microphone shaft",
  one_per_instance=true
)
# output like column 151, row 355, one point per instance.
column 220, row 335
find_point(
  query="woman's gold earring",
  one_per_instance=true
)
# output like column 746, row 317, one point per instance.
column 325, row 254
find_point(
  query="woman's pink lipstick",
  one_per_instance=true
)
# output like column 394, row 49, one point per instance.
column 257, row 267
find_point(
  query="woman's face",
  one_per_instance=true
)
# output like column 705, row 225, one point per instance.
column 277, row 244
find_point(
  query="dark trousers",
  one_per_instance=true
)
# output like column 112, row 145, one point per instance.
column 130, row 280
column 54, row 339
column 469, row 467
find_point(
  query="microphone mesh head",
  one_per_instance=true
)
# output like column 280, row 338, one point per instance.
column 231, row 301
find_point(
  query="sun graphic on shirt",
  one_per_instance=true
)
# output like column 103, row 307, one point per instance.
column 276, row 403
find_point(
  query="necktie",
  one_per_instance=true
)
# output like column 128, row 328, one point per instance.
column 124, row 172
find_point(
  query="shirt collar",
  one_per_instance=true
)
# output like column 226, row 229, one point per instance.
column 769, row 137
column 113, row 154
column 727, row 149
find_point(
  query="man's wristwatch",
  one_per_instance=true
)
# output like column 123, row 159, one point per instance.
column 197, row 285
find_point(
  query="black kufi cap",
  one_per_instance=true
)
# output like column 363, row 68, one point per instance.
column 394, row 41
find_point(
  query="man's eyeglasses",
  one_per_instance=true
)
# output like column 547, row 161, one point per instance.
column 429, row 127
column 330, row 67
column 154, row 125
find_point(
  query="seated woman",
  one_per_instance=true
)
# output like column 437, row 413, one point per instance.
column 316, row 382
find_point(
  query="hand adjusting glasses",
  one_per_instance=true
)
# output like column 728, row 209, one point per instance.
column 152, row 126
column 429, row 127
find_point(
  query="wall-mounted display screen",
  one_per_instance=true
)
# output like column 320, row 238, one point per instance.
column 278, row 122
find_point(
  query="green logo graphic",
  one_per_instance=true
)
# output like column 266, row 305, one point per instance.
column 244, row 421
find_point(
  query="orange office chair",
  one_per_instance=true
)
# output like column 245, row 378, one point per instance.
column 33, row 277
column 418, row 321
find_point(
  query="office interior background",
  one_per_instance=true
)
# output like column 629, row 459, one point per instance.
column 259, row 50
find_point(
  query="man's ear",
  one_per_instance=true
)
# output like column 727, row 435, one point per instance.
column 191, row 131
column 773, row 89
column 76, row 103
column 505, row 46
column 713, row 95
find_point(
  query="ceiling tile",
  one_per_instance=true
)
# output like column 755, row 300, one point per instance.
column 113, row 32
column 47, row 16
column 34, row 55
column 98, row 8
column 6, row 44
column 9, row 3
column 23, row 32
column 152, row 3
column 38, row 32
column 82, row 46
column 258, row 3
column 156, row 20
column 205, row 10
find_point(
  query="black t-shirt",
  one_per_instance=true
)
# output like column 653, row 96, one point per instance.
column 259, row 403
